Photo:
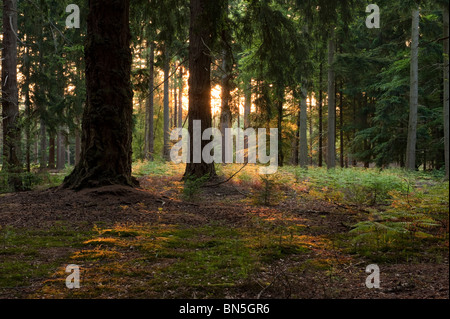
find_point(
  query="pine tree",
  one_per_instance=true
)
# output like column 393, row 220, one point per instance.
column 414, row 93
column 10, row 100
column 205, row 16
column 166, row 63
column 149, row 138
column 331, row 149
column 303, row 146
column 446, row 93
column 107, row 120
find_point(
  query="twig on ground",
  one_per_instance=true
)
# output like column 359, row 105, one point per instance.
column 267, row 287
column 229, row 179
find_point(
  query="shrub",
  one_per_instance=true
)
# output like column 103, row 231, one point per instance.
column 192, row 186
column 267, row 191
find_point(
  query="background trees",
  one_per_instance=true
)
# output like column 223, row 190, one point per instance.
column 335, row 89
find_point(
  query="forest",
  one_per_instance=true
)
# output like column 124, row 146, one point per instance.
column 226, row 149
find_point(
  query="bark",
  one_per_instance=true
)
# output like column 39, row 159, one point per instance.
column 175, row 99
column 247, row 105
column 331, row 149
column 150, row 106
column 446, row 92
column 341, row 128
column 68, row 154
column 320, row 116
column 311, row 140
column 77, row 146
column 200, row 40
column 43, row 146
column 225, row 116
column 27, row 110
column 247, row 111
column 365, row 125
column 51, row 151
column 414, row 93
column 355, row 104
column 61, row 150
column 36, row 152
column 280, row 130
column 107, row 119
column 166, row 151
column 180, row 99
column 40, row 107
column 303, row 146
column 10, row 100
column 296, row 141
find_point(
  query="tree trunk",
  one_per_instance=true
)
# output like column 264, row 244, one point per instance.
column 311, row 140
column 51, row 151
column 303, row 146
column 200, row 40
column 166, row 151
column 28, row 122
column 296, row 142
column 247, row 111
column 365, row 125
column 355, row 104
column 331, row 149
column 247, row 104
column 61, row 150
column 180, row 100
column 175, row 98
column 414, row 93
column 341, row 128
column 225, row 116
column 36, row 152
column 43, row 146
column 150, row 106
column 68, row 155
column 320, row 116
column 77, row 146
column 280, row 129
column 107, row 120
column 10, row 100
column 446, row 92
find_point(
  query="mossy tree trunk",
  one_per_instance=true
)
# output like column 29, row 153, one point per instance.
column 107, row 119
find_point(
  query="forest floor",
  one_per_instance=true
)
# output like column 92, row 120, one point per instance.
column 165, row 241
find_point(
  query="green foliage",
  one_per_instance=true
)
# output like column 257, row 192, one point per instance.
column 192, row 186
column 34, row 180
column 353, row 185
column 378, row 64
column 412, row 219
column 153, row 168
column 267, row 190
